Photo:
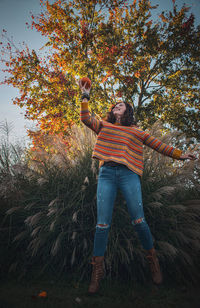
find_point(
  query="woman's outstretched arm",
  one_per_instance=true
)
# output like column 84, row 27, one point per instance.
column 165, row 149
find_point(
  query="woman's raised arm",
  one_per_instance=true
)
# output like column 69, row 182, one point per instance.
column 89, row 120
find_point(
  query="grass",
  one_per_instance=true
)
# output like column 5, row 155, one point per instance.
column 60, row 294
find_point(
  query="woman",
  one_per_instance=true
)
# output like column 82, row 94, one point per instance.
column 119, row 148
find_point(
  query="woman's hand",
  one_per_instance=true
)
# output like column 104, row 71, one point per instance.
column 188, row 156
column 83, row 87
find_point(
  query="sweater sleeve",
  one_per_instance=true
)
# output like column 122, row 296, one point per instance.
column 161, row 147
column 88, row 119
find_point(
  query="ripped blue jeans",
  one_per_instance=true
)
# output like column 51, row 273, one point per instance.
column 112, row 178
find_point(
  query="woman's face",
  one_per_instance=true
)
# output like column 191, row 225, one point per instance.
column 119, row 109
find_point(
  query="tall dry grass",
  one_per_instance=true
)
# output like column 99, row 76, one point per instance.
column 51, row 223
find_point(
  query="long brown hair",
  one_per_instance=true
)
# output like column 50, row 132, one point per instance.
column 126, row 120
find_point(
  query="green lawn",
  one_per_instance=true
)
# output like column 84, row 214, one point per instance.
column 64, row 294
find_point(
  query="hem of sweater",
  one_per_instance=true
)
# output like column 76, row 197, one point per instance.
column 101, row 163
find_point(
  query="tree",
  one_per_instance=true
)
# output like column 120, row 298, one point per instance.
column 154, row 65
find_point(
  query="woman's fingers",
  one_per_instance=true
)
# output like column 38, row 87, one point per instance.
column 80, row 84
column 188, row 156
column 191, row 156
column 83, row 86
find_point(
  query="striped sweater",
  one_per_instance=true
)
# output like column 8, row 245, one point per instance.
column 123, row 144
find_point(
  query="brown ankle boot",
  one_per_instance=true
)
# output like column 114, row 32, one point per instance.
column 154, row 266
column 97, row 274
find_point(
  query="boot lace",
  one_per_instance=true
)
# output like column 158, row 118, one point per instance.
column 153, row 263
column 98, row 271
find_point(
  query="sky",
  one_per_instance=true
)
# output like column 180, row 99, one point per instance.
column 13, row 17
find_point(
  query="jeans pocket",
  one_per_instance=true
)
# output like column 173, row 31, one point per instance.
column 107, row 173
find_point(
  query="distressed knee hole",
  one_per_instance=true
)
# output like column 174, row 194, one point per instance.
column 102, row 226
column 138, row 221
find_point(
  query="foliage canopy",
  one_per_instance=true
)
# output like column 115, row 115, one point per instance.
column 153, row 65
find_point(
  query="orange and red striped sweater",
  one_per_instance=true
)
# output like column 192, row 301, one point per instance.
column 123, row 144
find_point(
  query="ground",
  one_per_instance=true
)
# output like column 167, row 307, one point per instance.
column 60, row 294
